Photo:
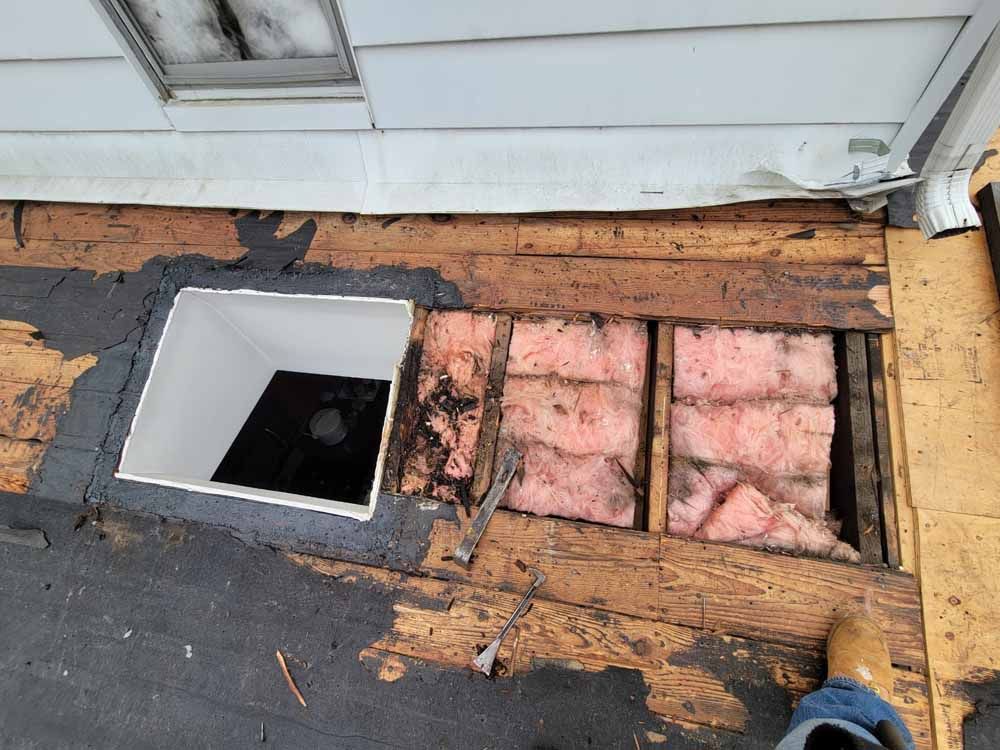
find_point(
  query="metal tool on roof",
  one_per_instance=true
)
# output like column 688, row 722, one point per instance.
column 484, row 662
column 508, row 465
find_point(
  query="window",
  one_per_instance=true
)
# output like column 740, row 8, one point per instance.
column 188, row 45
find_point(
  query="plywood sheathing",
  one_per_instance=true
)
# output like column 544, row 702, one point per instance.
column 948, row 375
column 948, row 349
column 35, row 386
column 961, row 598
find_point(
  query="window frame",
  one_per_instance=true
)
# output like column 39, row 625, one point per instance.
column 292, row 74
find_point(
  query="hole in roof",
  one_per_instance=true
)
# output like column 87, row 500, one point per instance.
column 314, row 435
column 277, row 398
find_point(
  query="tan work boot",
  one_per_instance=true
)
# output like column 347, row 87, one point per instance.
column 856, row 649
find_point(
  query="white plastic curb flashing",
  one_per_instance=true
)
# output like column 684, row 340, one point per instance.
column 218, row 351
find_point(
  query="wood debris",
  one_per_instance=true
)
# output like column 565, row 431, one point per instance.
column 288, row 678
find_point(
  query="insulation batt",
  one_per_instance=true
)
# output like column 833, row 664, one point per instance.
column 576, row 418
column 770, row 436
column 458, row 344
column 695, row 487
column 451, row 385
column 751, row 431
column 746, row 516
column 553, row 483
column 741, row 364
column 613, row 353
column 571, row 404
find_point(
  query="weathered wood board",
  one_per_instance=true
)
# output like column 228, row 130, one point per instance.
column 948, row 349
column 854, row 480
column 744, row 241
column 961, row 599
column 659, row 440
column 445, row 622
column 852, row 297
column 793, row 600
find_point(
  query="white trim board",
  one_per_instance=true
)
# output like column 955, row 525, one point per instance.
column 431, row 171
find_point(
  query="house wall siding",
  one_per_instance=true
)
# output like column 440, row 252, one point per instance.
column 486, row 106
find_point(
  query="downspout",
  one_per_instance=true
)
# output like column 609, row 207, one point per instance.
column 943, row 205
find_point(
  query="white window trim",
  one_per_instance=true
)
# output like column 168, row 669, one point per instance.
column 336, row 113
column 340, row 91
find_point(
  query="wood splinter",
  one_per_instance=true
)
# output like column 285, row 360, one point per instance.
column 288, row 678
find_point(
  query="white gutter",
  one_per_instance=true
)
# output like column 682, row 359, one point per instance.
column 942, row 199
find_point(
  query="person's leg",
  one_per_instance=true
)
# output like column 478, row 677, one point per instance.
column 854, row 699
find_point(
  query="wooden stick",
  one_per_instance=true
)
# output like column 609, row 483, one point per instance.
column 659, row 451
column 490, row 426
column 288, row 678
column 405, row 415
column 853, row 480
column 883, row 452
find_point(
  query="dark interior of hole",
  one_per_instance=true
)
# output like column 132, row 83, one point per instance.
column 313, row 435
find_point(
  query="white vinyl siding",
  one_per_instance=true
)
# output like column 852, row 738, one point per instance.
column 54, row 30
column 473, row 105
column 795, row 73
column 94, row 94
column 380, row 22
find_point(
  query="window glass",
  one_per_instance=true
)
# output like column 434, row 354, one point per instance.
column 185, row 31
column 203, row 31
column 284, row 29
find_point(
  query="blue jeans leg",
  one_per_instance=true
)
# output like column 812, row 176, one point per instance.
column 845, row 700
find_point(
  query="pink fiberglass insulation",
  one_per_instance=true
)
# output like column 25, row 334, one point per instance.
column 773, row 437
column 750, row 438
column 746, row 516
column 553, row 483
column 739, row 364
column 577, row 418
column 458, row 344
column 694, row 490
column 454, row 368
column 572, row 404
column 695, row 487
column 612, row 353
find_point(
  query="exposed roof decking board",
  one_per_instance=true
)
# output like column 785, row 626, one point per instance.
column 492, row 268
column 948, row 370
column 646, row 590
column 685, row 668
column 948, row 341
